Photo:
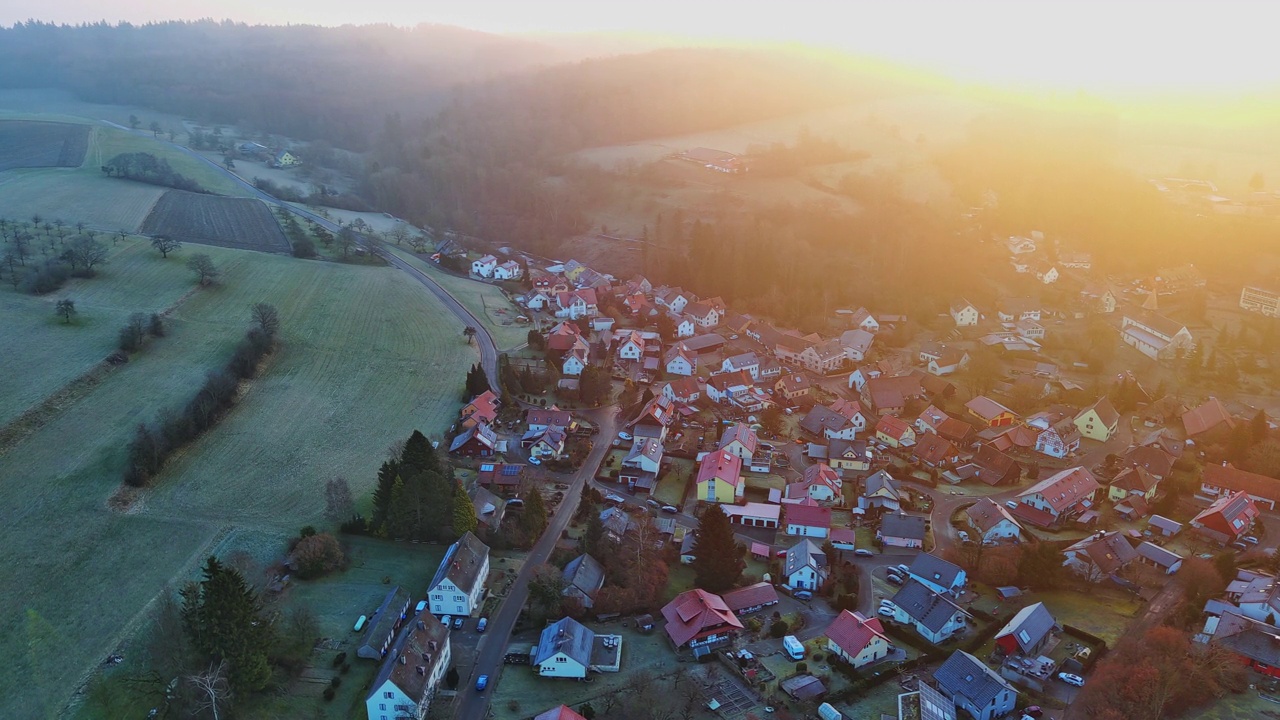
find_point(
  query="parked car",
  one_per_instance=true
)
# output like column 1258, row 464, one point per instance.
column 1071, row 679
column 670, row 509
column 1011, row 504
column 422, row 605
column 1237, row 545
column 802, row 595
column 1034, row 711
column 482, row 682
column 653, row 502
column 1250, row 539
column 534, row 461
column 614, row 498
column 484, row 623
column 863, row 552
column 904, row 569
column 624, row 435
column 447, row 620
column 459, row 621
column 896, row 579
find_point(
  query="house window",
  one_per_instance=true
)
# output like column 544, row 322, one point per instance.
column 437, row 597
column 388, row 695
column 382, row 706
column 559, row 659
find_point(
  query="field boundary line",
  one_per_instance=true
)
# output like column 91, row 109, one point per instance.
column 130, row 629
column 64, row 398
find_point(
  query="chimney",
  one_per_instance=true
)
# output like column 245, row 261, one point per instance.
column 431, row 645
column 402, row 660
column 422, row 670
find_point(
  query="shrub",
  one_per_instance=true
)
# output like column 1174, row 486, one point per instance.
column 778, row 628
column 335, row 682
column 156, row 327
column 329, row 693
column 46, row 278
column 317, row 555
column 304, row 248
column 802, row 667
column 337, row 660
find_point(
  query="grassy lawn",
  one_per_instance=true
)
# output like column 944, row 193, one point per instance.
column 484, row 301
column 768, row 481
column 1098, row 610
column 679, row 578
column 672, row 485
column 520, row 693
column 1245, row 706
column 351, row 375
column 883, row 699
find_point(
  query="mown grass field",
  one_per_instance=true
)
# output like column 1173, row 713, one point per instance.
column 48, row 353
column 485, row 301
column 366, row 356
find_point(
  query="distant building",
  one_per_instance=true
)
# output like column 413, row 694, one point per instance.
column 1260, row 300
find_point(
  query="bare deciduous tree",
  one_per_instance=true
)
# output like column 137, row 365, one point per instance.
column 85, row 252
column 202, row 265
column 266, row 317
column 165, row 244
column 212, row 688
column 338, row 503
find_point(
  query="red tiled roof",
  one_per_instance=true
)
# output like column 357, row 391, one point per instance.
column 722, row 465
column 1234, row 479
column 1134, row 479
column 1035, row 516
column 808, row 515
column 852, row 632
column 986, row 408
column 484, row 407
column 1150, row 458
column 934, row 449
column 1207, row 417
column 695, row 612
column 564, row 712
column 761, row 593
column 844, row 535
column 892, row 426
column 955, row 430
column 1064, row 488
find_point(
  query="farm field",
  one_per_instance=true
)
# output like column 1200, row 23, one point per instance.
column 351, row 376
column 485, row 301
column 26, row 144
column 100, row 202
column 242, row 223
column 109, row 142
column 134, row 279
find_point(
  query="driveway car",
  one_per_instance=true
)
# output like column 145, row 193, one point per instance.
column 1071, row 679
column 482, row 682
column 863, row 552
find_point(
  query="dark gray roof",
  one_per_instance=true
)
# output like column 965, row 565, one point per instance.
column 1029, row 626
column 462, row 563
column 925, row 606
column 1165, row 523
column 1255, row 640
column 1158, row 555
column 422, row 643
column 965, row 676
column 934, row 705
column 384, row 621
column 902, row 526
column 936, row 570
column 822, row 417
column 567, row 636
column 585, row 575
column 803, row 554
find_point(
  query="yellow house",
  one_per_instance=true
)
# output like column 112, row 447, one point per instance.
column 856, row 639
column 720, row 477
column 849, row 455
column 284, row 158
column 1098, row 421
column 1133, row 481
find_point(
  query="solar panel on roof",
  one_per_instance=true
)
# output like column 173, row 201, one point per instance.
column 511, row 470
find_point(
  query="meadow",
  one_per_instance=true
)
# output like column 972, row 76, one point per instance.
column 365, row 357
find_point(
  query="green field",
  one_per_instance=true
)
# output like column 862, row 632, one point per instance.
column 365, row 357
column 485, row 301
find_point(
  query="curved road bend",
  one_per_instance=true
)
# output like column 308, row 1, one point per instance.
column 484, row 341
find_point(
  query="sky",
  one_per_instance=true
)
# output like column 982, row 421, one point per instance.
column 1120, row 46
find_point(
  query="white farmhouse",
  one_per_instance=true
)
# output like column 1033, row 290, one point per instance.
column 410, row 671
column 485, row 266
column 458, row 585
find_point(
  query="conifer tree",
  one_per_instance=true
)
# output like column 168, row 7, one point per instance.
column 399, row 515
column 717, row 562
column 418, row 455
column 224, row 620
column 534, row 519
column 387, row 475
column 464, row 513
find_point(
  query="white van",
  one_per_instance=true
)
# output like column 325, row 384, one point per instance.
column 795, row 650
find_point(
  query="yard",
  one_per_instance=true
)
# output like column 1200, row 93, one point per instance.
column 520, row 693
column 1101, row 611
column 351, row 375
column 674, row 482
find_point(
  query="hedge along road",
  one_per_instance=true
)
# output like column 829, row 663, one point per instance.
column 484, row 341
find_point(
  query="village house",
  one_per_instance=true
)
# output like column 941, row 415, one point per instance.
column 957, row 431
column 685, row 327
column 754, row 514
column 484, row 266
column 857, row 640
column 542, row 418
column 509, row 270
column 1099, row 556
column 1264, row 301
column 751, row 599
column 805, row 566
column 1057, row 497
column 1133, row 481
column 1255, row 644
column 641, row 465
column 680, row 361
column 719, row 478
column 1029, row 330
column 1027, row 632
column 1156, row 336
column 856, row 344
column 895, row 432
column 964, row 313
column 990, row 412
column 1227, row 519
column 536, row 300
column 459, row 582
column 576, row 304
column 583, row 578
column 685, row 390
column 994, row 467
column 991, row 522
column 1163, row 559
column 564, row 650
column 1058, row 435
column 703, row 314
column 880, row 490
column 974, row 687
column 741, row 440
column 483, row 408
column 936, row 617
column 477, row 441
column 1013, row 309
column 545, row 444
column 750, row 362
column 700, row 621
column 655, row 419
column 929, row 420
column 1018, row 245
column 937, row 574
column 862, row 319
column 1098, row 298
column 1099, row 421
column 1045, row 272
column 901, row 530
column 935, row 452
column 489, row 508
column 827, row 422
column 822, row 358
column 820, row 483
column 632, row 346
column 1208, row 418
column 575, row 360
column 1218, row 481
column 1078, row 260
column 852, row 456
column 411, row 671
column 563, row 336
column 950, row 361
column 807, row 519
column 501, row 478
column 792, row 386
column 674, row 299
column 724, row 387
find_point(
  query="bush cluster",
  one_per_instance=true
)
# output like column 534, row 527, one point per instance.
column 152, row 444
column 46, row 277
column 147, row 168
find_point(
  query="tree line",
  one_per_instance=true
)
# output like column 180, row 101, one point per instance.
column 153, row 443
column 147, row 168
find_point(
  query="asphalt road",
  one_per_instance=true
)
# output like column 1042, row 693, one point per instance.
column 473, row 705
column 488, row 351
